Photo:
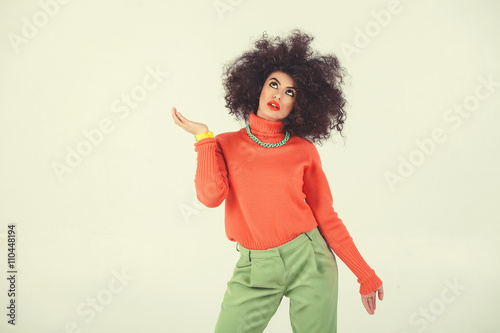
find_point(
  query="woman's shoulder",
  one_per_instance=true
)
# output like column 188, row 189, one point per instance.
column 306, row 143
column 228, row 136
column 310, row 149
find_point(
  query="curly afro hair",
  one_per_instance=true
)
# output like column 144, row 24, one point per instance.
column 319, row 103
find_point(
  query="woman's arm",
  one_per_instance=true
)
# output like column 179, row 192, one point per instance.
column 319, row 198
column 211, row 180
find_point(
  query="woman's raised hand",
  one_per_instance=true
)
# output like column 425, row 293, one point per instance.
column 190, row 126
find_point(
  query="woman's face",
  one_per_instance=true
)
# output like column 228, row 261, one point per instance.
column 277, row 97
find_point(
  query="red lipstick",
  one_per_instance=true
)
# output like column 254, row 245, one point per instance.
column 273, row 105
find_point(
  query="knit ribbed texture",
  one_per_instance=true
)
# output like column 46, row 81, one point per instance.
column 273, row 194
column 213, row 187
column 350, row 255
column 265, row 127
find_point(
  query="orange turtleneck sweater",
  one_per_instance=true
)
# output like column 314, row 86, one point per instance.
column 273, row 194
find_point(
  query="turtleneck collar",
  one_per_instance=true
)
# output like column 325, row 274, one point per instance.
column 264, row 126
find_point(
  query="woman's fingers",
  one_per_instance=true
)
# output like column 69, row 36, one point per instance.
column 368, row 306
column 188, row 125
column 175, row 115
column 381, row 293
column 184, row 120
column 369, row 302
column 178, row 114
column 179, row 118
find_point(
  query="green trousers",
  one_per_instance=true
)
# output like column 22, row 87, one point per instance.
column 304, row 270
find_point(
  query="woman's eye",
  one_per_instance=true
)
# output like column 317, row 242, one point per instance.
column 290, row 93
column 273, row 84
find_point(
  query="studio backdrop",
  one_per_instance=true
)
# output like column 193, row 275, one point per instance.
column 100, row 226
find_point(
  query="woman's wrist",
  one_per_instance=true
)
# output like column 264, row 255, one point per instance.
column 200, row 136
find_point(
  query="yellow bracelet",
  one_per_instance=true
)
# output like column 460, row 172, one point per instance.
column 198, row 137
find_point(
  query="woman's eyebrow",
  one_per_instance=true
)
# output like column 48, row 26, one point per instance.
column 273, row 78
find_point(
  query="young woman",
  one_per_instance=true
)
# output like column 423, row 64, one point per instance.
column 278, row 204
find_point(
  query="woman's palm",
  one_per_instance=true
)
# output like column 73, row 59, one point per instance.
column 188, row 125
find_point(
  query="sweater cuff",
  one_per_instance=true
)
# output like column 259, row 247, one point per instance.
column 371, row 285
column 202, row 142
column 206, row 159
column 350, row 255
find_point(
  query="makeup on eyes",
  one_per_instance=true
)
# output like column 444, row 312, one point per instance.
column 292, row 89
column 277, row 96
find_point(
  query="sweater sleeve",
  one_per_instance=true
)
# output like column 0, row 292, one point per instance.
column 319, row 198
column 210, row 180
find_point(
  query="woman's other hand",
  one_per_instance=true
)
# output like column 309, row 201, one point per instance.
column 369, row 299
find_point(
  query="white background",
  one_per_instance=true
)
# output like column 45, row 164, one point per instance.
column 128, row 206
